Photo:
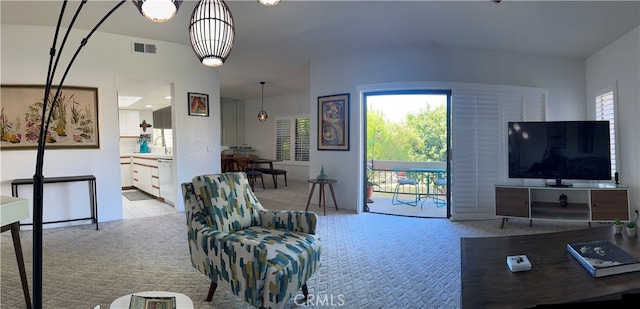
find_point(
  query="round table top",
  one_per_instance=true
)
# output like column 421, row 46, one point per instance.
column 322, row 181
column 182, row 301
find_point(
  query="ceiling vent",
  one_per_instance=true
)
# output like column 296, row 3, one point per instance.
column 144, row 48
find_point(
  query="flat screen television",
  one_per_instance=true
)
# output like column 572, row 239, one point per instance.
column 559, row 150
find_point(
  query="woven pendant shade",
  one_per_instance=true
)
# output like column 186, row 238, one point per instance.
column 269, row 2
column 158, row 11
column 211, row 31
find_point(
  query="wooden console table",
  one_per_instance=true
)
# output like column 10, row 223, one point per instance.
column 12, row 210
column 93, row 200
column 555, row 277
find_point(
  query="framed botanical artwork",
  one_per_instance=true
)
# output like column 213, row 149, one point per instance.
column 333, row 122
column 73, row 124
column 198, row 104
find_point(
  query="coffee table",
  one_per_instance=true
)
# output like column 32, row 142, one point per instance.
column 555, row 277
column 182, row 301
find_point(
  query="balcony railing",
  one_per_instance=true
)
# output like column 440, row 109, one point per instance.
column 384, row 175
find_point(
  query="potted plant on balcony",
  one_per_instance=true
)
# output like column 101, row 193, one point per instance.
column 617, row 226
column 632, row 228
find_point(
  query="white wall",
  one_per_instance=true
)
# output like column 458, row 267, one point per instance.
column 620, row 63
column 262, row 135
column 565, row 79
column 24, row 57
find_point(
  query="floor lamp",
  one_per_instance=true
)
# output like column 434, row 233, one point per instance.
column 145, row 8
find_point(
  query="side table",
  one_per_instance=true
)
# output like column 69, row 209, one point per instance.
column 322, row 199
column 12, row 210
column 182, row 301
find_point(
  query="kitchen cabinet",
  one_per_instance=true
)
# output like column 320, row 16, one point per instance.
column 129, row 123
column 125, row 172
column 145, row 174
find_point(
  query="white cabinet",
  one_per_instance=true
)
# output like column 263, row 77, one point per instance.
column 129, row 123
column 145, row 174
column 125, row 172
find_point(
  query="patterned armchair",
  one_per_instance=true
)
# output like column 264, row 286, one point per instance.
column 262, row 256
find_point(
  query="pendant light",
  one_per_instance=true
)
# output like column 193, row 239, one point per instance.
column 262, row 115
column 269, row 2
column 158, row 11
column 211, row 32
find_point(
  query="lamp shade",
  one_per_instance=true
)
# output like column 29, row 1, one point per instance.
column 262, row 115
column 211, row 31
column 269, row 2
column 158, row 10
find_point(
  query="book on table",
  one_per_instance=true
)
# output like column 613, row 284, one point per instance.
column 151, row 302
column 603, row 258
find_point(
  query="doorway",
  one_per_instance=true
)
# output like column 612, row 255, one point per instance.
column 407, row 150
column 145, row 147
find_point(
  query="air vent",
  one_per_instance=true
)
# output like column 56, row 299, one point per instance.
column 144, row 48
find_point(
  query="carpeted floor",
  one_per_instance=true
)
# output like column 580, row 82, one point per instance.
column 368, row 260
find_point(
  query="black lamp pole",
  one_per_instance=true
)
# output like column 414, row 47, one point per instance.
column 49, row 102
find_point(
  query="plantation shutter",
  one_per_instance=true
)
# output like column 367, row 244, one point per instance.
column 606, row 110
column 302, row 139
column 479, row 156
column 283, row 139
column 474, row 141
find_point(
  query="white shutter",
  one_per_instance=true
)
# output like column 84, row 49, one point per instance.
column 479, row 158
column 475, row 143
column 302, row 139
column 606, row 110
column 283, row 139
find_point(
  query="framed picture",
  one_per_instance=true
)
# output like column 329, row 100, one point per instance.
column 198, row 104
column 333, row 122
column 74, row 122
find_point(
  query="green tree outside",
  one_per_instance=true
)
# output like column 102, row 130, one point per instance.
column 420, row 137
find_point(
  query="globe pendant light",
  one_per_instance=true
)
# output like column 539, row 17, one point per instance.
column 158, row 10
column 269, row 2
column 211, row 31
column 262, row 115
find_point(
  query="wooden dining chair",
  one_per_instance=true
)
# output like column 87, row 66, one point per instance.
column 244, row 165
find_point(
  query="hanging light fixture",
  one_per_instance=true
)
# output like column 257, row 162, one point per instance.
column 262, row 115
column 158, row 11
column 269, row 2
column 211, row 31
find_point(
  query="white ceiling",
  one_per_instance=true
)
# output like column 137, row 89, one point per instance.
column 275, row 44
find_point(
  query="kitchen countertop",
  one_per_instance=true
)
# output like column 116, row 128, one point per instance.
column 147, row 155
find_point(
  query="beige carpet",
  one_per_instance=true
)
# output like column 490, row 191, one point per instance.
column 368, row 260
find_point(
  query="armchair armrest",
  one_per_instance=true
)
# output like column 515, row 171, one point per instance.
column 223, row 258
column 295, row 221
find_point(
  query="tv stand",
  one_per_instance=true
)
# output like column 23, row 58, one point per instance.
column 586, row 203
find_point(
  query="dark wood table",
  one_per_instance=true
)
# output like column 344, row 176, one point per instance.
column 555, row 277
